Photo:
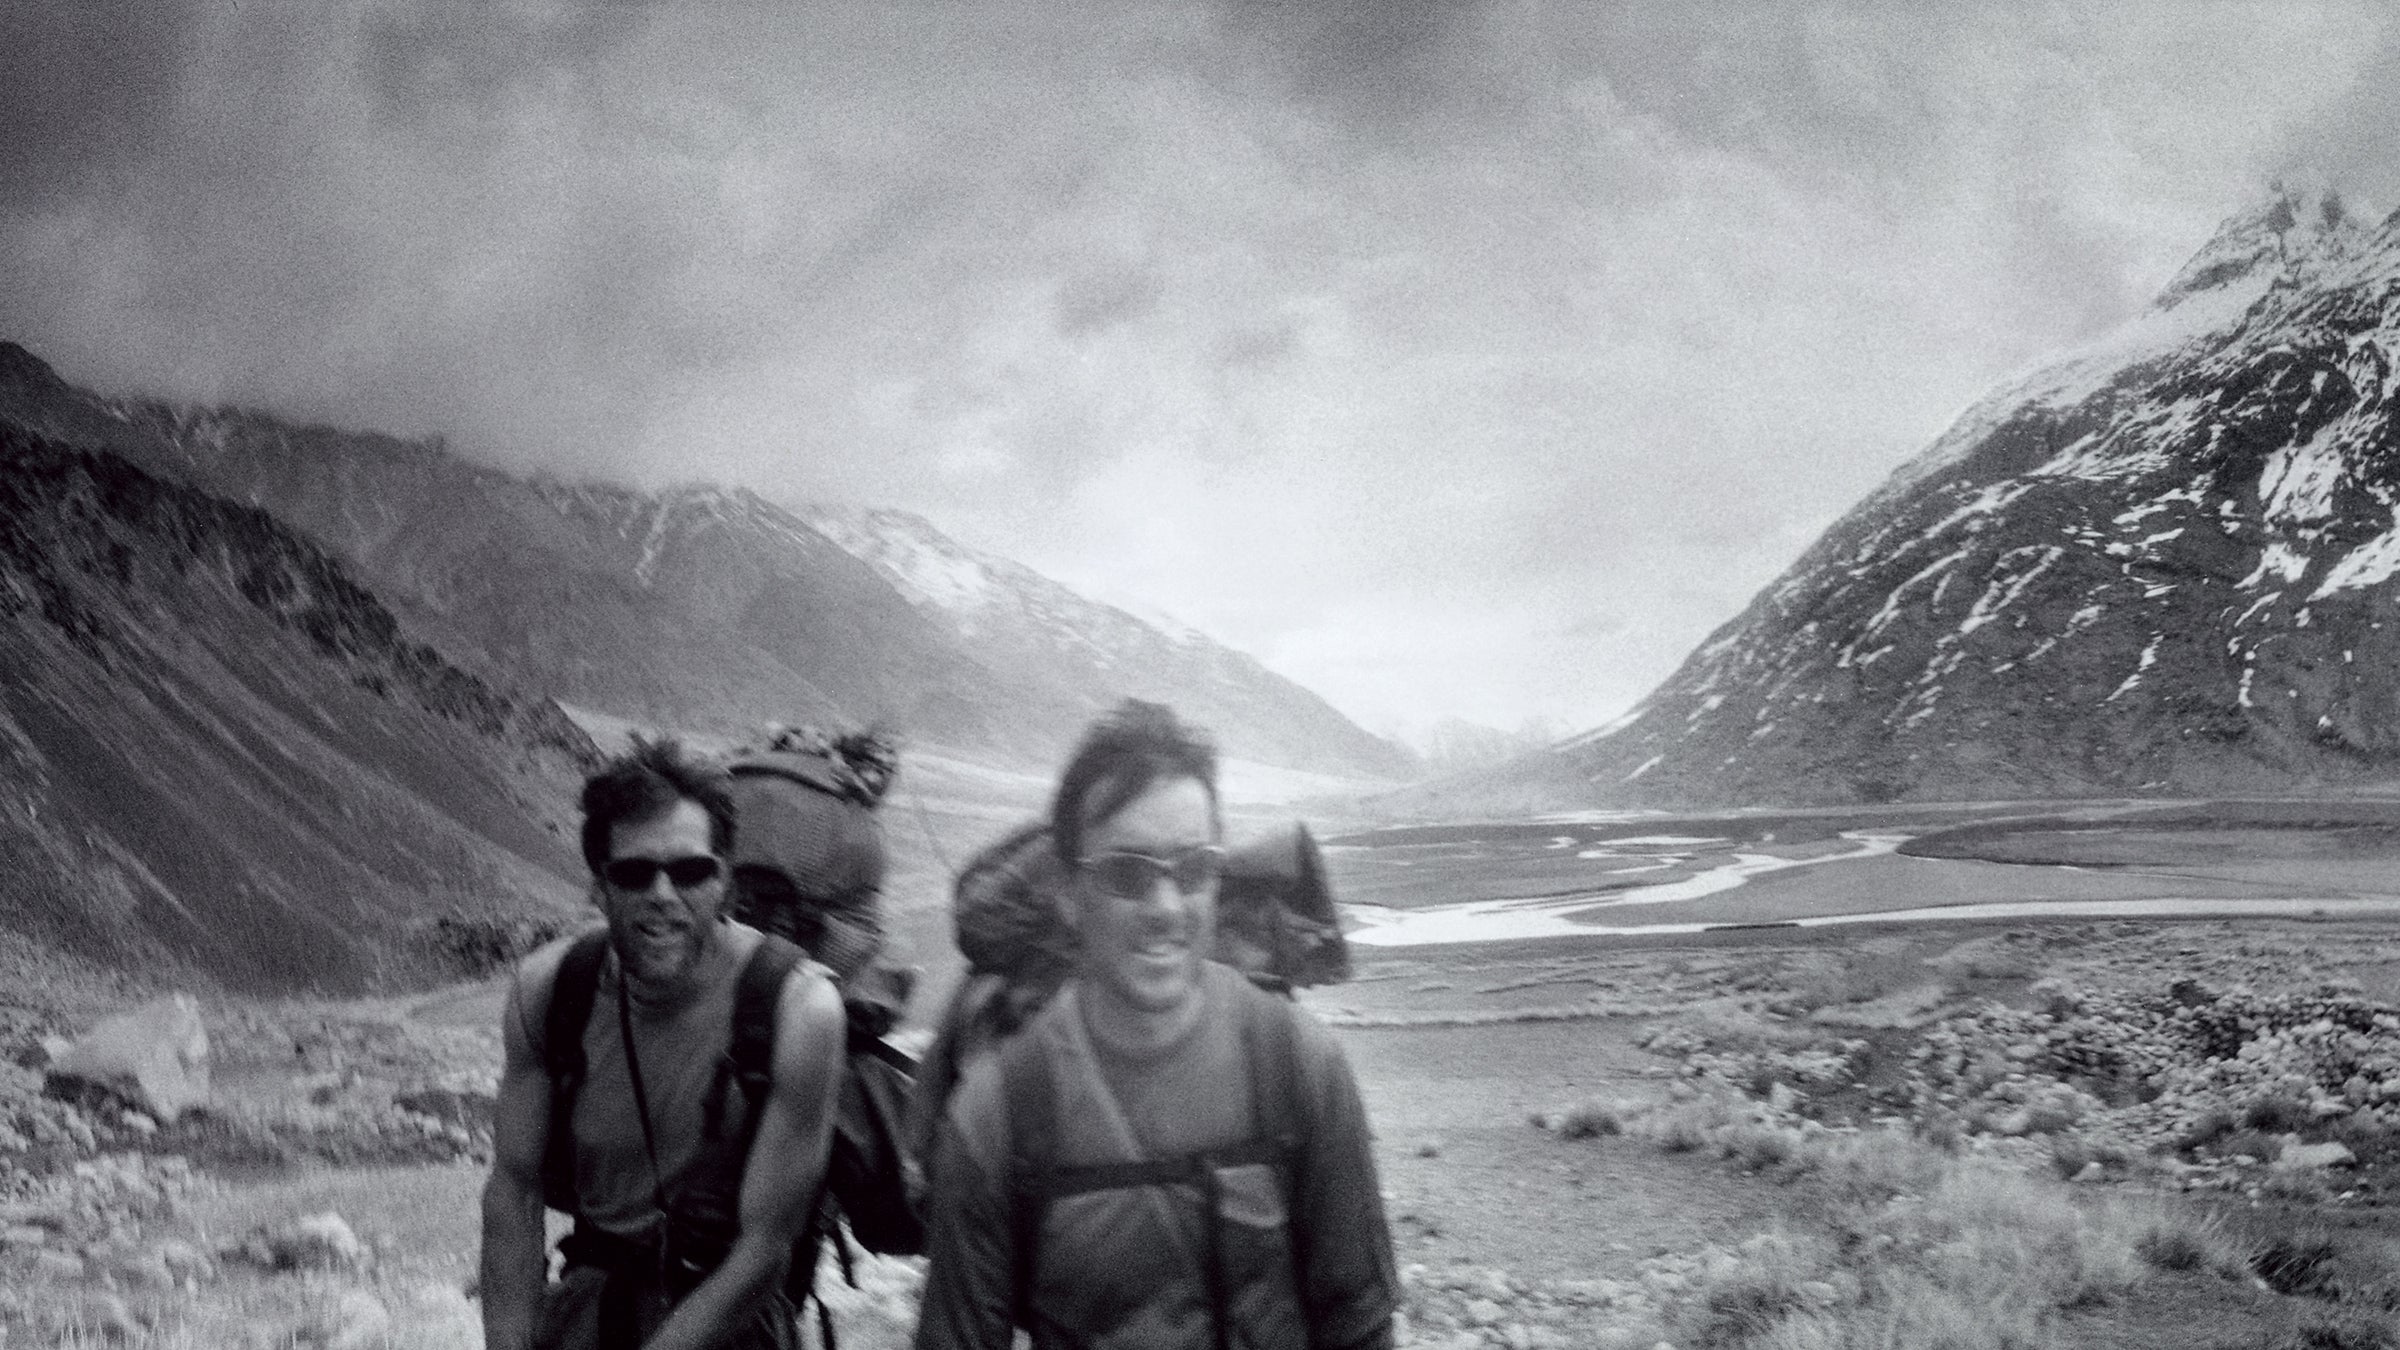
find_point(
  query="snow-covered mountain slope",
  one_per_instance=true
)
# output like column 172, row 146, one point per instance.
column 1014, row 618
column 2164, row 562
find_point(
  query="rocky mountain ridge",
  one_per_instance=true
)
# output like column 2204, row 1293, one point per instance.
column 2167, row 562
column 224, row 756
column 700, row 606
column 1013, row 617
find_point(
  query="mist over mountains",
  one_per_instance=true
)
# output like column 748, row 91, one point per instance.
column 1011, row 618
column 277, row 698
column 2165, row 563
column 700, row 606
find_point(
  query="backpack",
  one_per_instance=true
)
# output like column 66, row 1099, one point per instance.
column 1276, row 920
column 867, row 1179
column 808, row 855
column 1029, row 1087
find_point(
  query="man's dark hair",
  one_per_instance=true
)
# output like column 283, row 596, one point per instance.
column 645, row 783
column 1124, row 754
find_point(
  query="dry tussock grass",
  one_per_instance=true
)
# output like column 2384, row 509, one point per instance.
column 1930, row 1248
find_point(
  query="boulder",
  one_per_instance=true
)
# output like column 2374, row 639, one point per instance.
column 185, row 1260
column 154, row 1058
column 314, row 1242
column 2300, row 1157
column 354, row 1320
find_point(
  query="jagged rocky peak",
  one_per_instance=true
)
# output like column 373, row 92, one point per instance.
column 2292, row 225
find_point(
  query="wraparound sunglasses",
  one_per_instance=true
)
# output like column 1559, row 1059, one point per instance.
column 1128, row 875
column 640, row 874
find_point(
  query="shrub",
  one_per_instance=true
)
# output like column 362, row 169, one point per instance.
column 476, row 945
column 1943, row 1130
column 2264, row 1147
column 2070, row 1154
column 1591, row 1120
column 2370, row 1140
column 2276, row 1114
column 2187, row 1245
column 1758, row 1146
column 2206, row 1128
column 1750, row 1292
column 2298, row 1263
column 2344, row 1330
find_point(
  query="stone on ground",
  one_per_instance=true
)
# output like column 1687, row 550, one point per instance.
column 355, row 1320
column 313, row 1242
column 2297, row 1156
column 154, row 1057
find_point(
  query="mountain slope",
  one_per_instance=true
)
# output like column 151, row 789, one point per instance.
column 699, row 607
column 221, row 754
column 1012, row 617
column 2165, row 562
column 696, row 607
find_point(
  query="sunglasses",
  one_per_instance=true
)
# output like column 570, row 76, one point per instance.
column 1133, row 876
column 640, row 874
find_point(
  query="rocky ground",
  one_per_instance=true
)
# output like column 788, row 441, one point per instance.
column 1758, row 1139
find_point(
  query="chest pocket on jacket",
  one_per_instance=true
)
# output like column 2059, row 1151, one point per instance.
column 1251, row 1195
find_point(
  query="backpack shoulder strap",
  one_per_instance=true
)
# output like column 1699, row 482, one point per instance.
column 751, row 1051
column 1029, row 1093
column 571, row 996
column 572, row 993
column 1271, row 1044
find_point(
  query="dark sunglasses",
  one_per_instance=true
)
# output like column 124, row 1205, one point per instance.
column 640, row 874
column 1132, row 876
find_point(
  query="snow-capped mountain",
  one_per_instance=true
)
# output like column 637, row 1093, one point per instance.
column 2164, row 562
column 1014, row 618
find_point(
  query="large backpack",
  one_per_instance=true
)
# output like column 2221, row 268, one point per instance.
column 1276, row 922
column 808, row 855
column 868, row 1179
column 1029, row 1087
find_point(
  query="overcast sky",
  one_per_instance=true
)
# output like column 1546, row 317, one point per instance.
column 1457, row 359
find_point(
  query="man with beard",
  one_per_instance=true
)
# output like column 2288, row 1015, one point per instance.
column 1165, row 1155
column 669, row 1081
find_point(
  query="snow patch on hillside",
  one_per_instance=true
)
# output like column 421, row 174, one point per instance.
column 2369, row 564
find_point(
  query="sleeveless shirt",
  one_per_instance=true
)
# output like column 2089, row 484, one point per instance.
column 682, row 1056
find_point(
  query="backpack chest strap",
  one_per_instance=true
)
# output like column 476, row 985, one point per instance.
column 1190, row 1169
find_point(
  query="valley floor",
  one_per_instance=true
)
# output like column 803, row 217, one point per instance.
column 2106, row 1134
column 1520, row 1218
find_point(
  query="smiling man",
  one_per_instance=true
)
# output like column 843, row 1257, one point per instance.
column 1165, row 1156
column 669, row 1081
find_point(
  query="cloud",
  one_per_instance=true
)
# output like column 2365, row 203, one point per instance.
column 1391, row 339
column 429, row 58
column 86, row 91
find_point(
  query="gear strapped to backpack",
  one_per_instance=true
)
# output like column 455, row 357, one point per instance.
column 808, row 856
column 808, row 865
column 864, row 1170
column 1276, row 923
column 1030, row 1089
